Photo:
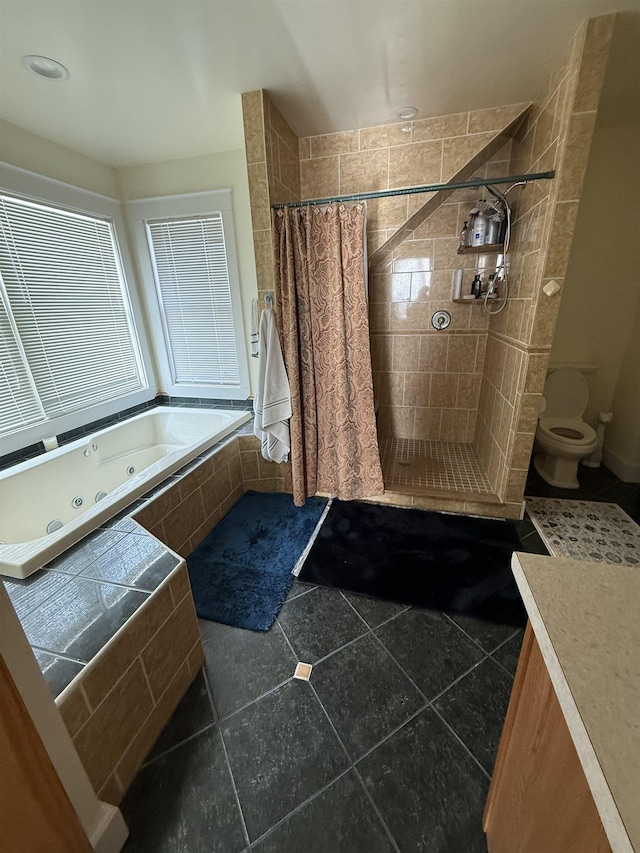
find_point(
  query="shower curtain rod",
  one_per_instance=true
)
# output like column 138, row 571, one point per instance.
column 429, row 188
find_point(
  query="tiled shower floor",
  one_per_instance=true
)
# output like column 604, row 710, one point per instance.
column 428, row 466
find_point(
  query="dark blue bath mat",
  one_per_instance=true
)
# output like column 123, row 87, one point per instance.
column 241, row 573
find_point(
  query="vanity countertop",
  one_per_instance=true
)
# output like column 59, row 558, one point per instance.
column 586, row 619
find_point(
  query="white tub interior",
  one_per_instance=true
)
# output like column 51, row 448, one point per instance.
column 83, row 484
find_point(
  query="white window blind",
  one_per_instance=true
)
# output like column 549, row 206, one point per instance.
column 190, row 268
column 64, row 297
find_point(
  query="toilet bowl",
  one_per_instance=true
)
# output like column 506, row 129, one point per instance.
column 561, row 433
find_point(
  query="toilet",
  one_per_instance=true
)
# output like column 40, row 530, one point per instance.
column 562, row 434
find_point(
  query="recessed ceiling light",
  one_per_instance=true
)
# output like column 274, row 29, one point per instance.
column 45, row 67
column 408, row 113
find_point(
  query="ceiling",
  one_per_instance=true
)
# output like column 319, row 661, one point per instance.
column 161, row 79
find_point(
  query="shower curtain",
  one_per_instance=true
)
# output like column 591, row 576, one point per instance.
column 321, row 308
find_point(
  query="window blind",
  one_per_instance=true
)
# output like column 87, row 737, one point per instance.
column 189, row 262
column 65, row 295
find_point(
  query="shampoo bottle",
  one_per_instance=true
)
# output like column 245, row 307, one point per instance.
column 479, row 229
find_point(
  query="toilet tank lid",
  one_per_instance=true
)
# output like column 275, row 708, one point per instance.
column 566, row 393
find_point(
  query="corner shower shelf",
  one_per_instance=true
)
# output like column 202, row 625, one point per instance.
column 481, row 250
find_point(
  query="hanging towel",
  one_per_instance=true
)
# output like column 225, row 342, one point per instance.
column 254, row 328
column 272, row 401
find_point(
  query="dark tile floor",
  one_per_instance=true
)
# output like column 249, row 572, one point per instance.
column 388, row 747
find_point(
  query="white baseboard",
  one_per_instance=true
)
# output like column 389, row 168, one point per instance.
column 627, row 472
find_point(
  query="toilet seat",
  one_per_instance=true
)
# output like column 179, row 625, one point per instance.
column 560, row 429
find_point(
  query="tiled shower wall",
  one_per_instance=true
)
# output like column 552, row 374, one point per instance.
column 557, row 135
column 274, row 175
column 427, row 381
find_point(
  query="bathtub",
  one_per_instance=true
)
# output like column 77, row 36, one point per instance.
column 76, row 488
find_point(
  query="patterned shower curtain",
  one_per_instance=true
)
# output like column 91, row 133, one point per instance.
column 321, row 308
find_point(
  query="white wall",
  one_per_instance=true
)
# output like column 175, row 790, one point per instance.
column 23, row 149
column 602, row 288
column 227, row 170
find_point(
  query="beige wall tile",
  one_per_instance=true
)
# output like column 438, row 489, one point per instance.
column 594, row 62
column 414, row 256
column 468, row 390
column 444, row 389
column 401, row 421
column 226, row 453
column 74, row 709
column 165, row 653
column 416, row 164
column 105, row 669
column 383, row 136
column 216, row 489
column 179, row 584
column 304, row 147
column 379, row 316
column 460, row 150
column 274, row 484
column 453, row 426
column 147, row 735
column 444, row 223
column 319, row 178
column 194, row 479
column 461, row 356
column 280, row 124
column 259, row 195
column 386, row 212
column 113, row 724
column 390, row 389
column 576, row 157
column 427, row 424
column 433, row 352
column 408, row 316
column 334, row 143
column 249, row 462
column 364, row 172
column 417, row 388
column 494, row 118
column 253, row 126
column 521, row 452
column 233, row 499
column 406, row 352
column 186, row 517
column 440, row 127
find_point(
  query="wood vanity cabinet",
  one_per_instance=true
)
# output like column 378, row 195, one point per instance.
column 539, row 800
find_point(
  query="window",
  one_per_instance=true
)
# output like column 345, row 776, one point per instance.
column 189, row 256
column 68, row 345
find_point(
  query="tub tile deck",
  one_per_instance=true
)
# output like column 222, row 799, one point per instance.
column 79, row 619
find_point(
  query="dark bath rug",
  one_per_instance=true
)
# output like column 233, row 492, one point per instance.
column 454, row 563
column 241, row 573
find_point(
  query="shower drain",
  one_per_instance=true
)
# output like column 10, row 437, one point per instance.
column 131, row 470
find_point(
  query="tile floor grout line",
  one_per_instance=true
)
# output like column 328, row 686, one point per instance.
column 459, row 678
column 235, row 789
column 176, row 746
column 393, row 732
column 511, row 675
column 377, row 811
column 359, row 615
column 301, row 805
column 352, row 765
column 401, row 668
column 459, row 739
column 225, row 717
column 476, row 642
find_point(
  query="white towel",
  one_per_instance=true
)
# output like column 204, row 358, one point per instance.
column 254, row 328
column 272, row 401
